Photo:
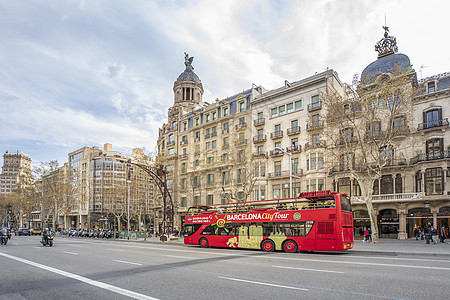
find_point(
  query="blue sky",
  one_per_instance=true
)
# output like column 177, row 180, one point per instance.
column 84, row 73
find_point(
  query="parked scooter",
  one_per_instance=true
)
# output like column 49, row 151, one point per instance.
column 47, row 239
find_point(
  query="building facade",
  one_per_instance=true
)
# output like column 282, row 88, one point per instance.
column 16, row 170
column 262, row 144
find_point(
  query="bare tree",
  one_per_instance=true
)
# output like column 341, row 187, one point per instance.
column 369, row 131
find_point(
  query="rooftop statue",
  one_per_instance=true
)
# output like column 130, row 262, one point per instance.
column 188, row 61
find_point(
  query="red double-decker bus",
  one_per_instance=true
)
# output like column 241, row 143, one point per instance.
column 315, row 221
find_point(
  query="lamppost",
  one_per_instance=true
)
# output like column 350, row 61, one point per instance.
column 290, row 170
column 427, row 230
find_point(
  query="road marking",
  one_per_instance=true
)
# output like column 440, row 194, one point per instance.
column 305, row 269
column 128, row 262
column 264, row 283
column 177, row 256
column 99, row 284
column 402, row 258
column 73, row 253
column 119, row 250
column 37, row 247
column 362, row 263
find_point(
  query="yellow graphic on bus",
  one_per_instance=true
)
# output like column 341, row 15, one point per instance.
column 251, row 237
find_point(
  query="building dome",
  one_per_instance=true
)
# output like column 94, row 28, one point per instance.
column 385, row 64
column 388, row 59
column 189, row 75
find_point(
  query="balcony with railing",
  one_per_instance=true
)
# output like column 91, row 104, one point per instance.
column 276, row 152
column 214, row 133
column 280, row 174
column 207, row 136
column 401, row 130
column 259, row 138
column 403, row 197
column 429, row 157
column 436, row 124
column 315, row 106
column 314, row 125
column 170, row 143
column 294, row 149
column 260, row 154
column 183, row 143
column 183, row 156
column 259, row 122
column 293, row 130
column 276, row 135
column 315, row 144
column 347, row 140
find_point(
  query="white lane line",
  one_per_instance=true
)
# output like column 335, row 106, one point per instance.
column 284, row 258
column 362, row 263
column 99, row 284
column 37, row 247
column 305, row 269
column 176, row 256
column 402, row 258
column 264, row 283
column 118, row 250
column 128, row 262
column 73, row 253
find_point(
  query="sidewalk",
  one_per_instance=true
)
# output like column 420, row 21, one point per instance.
column 385, row 246
column 409, row 246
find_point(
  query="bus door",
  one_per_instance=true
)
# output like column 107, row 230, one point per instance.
column 325, row 235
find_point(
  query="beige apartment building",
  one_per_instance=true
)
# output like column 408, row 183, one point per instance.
column 288, row 126
column 16, row 170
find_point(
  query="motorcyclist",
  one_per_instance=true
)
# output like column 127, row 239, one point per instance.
column 45, row 235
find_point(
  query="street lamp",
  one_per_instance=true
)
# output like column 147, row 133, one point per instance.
column 290, row 170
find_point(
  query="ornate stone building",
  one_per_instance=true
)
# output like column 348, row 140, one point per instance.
column 205, row 147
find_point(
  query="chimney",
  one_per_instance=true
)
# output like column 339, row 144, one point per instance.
column 107, row 147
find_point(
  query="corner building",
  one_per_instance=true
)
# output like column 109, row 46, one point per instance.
column 205, row 147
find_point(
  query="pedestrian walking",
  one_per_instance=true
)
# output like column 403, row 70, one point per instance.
column 443, row 236
column 370, row 234
column 366, row 236
column 416, row 232
column 434, row 234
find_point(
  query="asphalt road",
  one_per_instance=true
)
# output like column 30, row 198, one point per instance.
column 78, row 268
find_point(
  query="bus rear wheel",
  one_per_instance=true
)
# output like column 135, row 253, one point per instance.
column 268, row 246
column 204, row 243
column 290, row 246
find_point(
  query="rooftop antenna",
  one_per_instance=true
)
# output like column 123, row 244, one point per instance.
column 421, row 67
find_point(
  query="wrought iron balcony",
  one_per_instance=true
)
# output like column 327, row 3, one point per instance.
column 294, row 149
column 315, row 144
column 276, row 152
column 429, row 157
column 433, row 124
column 276, row 134
column 315, row 106
column 259, row 138
column 240, row 142
column 314, row 125
column 293, row 130
column 260, row 121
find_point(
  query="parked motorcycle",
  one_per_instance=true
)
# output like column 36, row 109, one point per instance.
column 3, row 236
column 47, row 240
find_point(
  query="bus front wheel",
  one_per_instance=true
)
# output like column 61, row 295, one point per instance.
column 204, row 243
column 290, row 246
column 268, row 245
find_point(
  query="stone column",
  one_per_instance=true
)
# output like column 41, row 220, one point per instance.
column 434, row 211
column 402, row 212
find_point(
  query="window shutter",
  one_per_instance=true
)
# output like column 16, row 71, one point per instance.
column 440, row 114
column 441, row 146
column 424, row 117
